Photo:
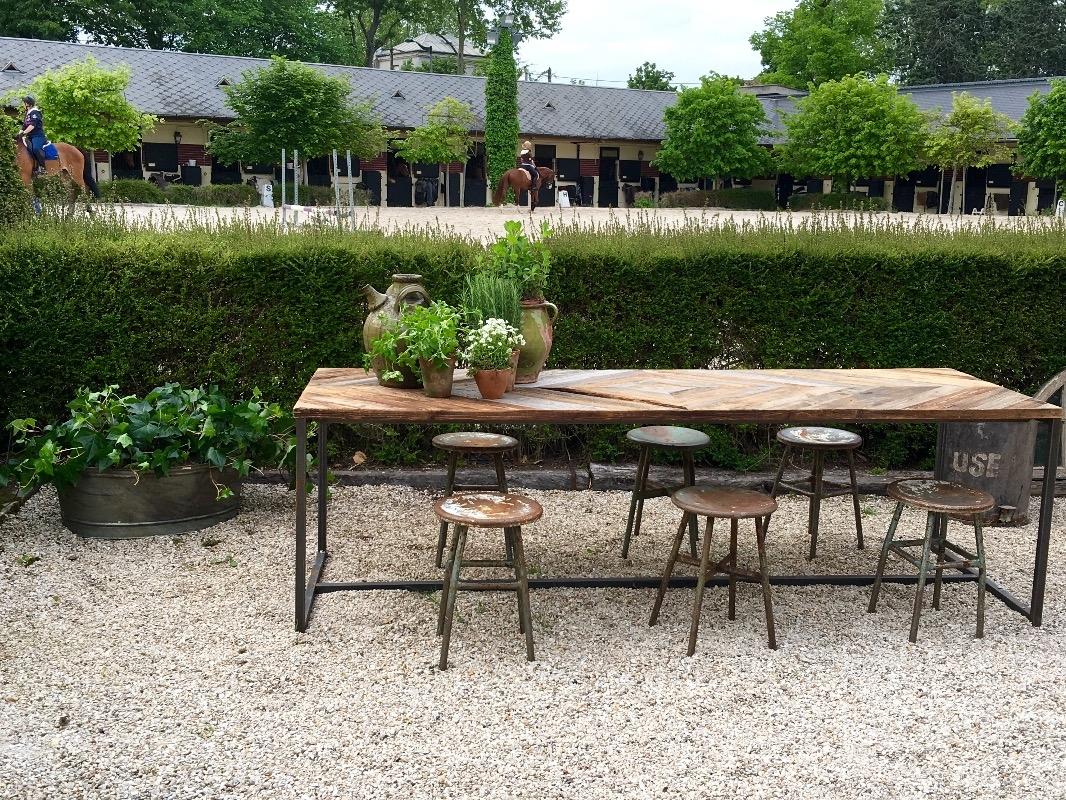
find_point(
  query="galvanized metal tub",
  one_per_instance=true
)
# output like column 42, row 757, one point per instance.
column 122, row 504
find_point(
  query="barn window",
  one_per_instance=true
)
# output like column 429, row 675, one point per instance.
column 549, row 106
column 398, row 95
column 11, row 68
column 223, row 82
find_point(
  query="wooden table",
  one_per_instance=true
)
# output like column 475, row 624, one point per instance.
column 349, row 396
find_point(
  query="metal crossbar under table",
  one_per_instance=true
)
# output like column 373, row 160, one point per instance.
column 309, row 583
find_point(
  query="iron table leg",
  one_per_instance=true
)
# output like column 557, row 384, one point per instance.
column 1043, row 530
column 301, row 521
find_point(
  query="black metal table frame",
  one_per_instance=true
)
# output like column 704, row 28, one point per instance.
column 309, row 586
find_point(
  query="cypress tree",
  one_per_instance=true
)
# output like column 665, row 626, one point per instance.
column 501, row 109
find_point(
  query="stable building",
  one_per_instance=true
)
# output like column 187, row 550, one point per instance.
column 600, row 141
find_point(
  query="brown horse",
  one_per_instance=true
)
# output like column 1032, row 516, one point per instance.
column 519, row 180
column 70, row 166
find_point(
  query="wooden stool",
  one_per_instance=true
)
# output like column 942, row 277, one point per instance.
column 663, row 437
column 820, row 441
column 724, row 503
column 486, row 510
column 940, row 499
column 471, row 442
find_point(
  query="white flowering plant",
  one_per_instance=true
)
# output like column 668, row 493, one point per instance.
column 490, row 344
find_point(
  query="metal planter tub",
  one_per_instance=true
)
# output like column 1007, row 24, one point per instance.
column 122, row 504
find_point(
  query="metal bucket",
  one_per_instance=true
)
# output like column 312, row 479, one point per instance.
column 121, row 504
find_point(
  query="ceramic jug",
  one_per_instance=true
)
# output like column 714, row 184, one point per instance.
column 386, row 309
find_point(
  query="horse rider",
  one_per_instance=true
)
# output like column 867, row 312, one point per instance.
column 526, row 162
column 32, row 132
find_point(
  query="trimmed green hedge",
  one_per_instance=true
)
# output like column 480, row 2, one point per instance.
column 130, row 191
column 93, row 306
column 751, row 199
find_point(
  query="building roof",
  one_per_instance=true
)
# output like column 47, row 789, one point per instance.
column 173, row 84
column 431, row 43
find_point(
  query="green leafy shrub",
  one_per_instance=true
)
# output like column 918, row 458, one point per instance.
column 130, row 191
column 644, row 200
column 166, row 428
column 837, row 201
column 739, row 199
column 14, row 199
column 525, row 261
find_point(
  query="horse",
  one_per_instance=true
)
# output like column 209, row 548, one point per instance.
column 519, row 180
column 71, row 164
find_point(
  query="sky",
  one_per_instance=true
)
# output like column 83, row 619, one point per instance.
column 608, row 39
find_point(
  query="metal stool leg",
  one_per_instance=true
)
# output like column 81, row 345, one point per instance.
column 764, row 573
column 855, row 499
column 501, row 486
column 979, row 533
column 940, row 536
column 733, row 567
column 524, row 615
column 816, row 502
column 442, row 611
column 449, row 485
column 669, row 570
column 780, row 471
column 453, row 584
column 509, row 536
column 636, row 502
column 883, row 560
column 697, row 604
column 923, row 570
column 689, row 469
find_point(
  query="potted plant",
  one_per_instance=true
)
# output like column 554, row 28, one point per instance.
column 431, row 335
column 488, row 295
column 488, row 356
column 169, row 462
column 528, row 263
column 385, row 356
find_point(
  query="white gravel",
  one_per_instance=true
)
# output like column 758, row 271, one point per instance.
column 169, row 669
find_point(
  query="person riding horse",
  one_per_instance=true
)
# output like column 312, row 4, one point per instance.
column 32, row 132
column 526, row 162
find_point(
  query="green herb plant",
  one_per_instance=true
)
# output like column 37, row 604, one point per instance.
column 384, row 353
column 489, row 295
column 168, row 427
column 526, row 261
column 431, row 333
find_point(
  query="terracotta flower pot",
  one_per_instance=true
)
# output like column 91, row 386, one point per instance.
column 538, row 317
column 492, row 383
column 514, row 369
column 437, row 381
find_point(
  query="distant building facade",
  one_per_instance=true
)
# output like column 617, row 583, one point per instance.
column 420, row 53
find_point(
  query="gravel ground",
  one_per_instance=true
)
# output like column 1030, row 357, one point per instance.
column 168, row 668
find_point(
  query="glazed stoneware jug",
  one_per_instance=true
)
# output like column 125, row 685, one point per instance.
column 538, row 318
column 386, row 309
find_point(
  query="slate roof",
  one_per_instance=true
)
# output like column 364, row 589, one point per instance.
column 187, row 85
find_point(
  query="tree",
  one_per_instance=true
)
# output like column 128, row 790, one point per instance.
column 971, row 135
column 501, row 109
column 87, row 107
column 290, row 105
column 39, row 19
column 713, row 131
column 441, row 65
column 649, row 76
column 936, row 41
column 821, row 40
column 158, row 24
column 855, row 128
column 374, row 24
column 1042, row 135
column 444, row 138
column 14, row 199
column 1027, row 38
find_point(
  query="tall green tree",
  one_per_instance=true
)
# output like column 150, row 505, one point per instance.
column 1042, row 135
column 821, row 40
column 39, row 19
column 373, row 24
column 972, row 134
column 1026, row 39
column 649, row 76
column 501, row 109
column 713, row 131
column 855, row 128
column 293, row 106
column 444, row 138
column 86, row 106
column 936, row 41
column 157, row 24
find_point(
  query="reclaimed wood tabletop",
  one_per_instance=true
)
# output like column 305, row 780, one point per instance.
column 681, row 395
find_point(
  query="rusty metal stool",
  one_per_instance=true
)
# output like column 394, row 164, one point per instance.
column 715, row 502
column 662, row 437
column 820, row 441
column 486, row 510
column 940, row 499
column 471, row 443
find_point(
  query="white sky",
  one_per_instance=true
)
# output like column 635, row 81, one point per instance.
column 608, row 39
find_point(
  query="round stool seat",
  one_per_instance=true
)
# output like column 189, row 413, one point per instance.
column 940, row 496
column 724, row 502
column 488, row 510
column 475, row 442
column 812, row 436
column 668, row 436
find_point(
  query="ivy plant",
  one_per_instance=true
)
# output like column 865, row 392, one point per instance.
column 168, row 427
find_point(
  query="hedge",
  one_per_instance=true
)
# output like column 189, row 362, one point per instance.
column 130, row 191
column 753, row 199
column 250, row 307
